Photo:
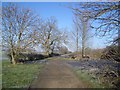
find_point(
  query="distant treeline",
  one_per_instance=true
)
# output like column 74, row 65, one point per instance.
column 110, row 52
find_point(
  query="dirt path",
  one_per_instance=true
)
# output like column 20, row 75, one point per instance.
column 57, row 74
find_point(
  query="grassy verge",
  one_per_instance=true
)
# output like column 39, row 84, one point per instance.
column 89, row 80
column 19, row 76
column 0, row 74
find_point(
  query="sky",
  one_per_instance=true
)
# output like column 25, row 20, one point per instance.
column 63, row 15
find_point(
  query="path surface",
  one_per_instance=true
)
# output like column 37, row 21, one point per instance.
column 57, row 74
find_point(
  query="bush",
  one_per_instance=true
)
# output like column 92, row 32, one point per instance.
column 111, row 52
column 109, row 77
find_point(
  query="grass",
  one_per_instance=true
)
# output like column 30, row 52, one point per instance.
column 89, row 80
column 20, row 75
column 0, row 74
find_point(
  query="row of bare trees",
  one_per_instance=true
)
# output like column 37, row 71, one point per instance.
column 82, row 30
column 103, row 17
column 22, row 30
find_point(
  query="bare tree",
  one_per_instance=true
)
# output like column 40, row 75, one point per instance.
column 17, row 30
column 76, row 32
column 105, row 15
column 48, row 35
column 82, row 24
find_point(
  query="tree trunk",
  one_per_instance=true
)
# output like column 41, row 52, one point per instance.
column 13, row 59
column 47, row 51
column 77, row 41
column 119, row 41
column 83, row 38
column 52, row 49
column 83, row 49
column 13, row 55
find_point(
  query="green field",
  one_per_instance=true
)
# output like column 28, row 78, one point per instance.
column 20, row 75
